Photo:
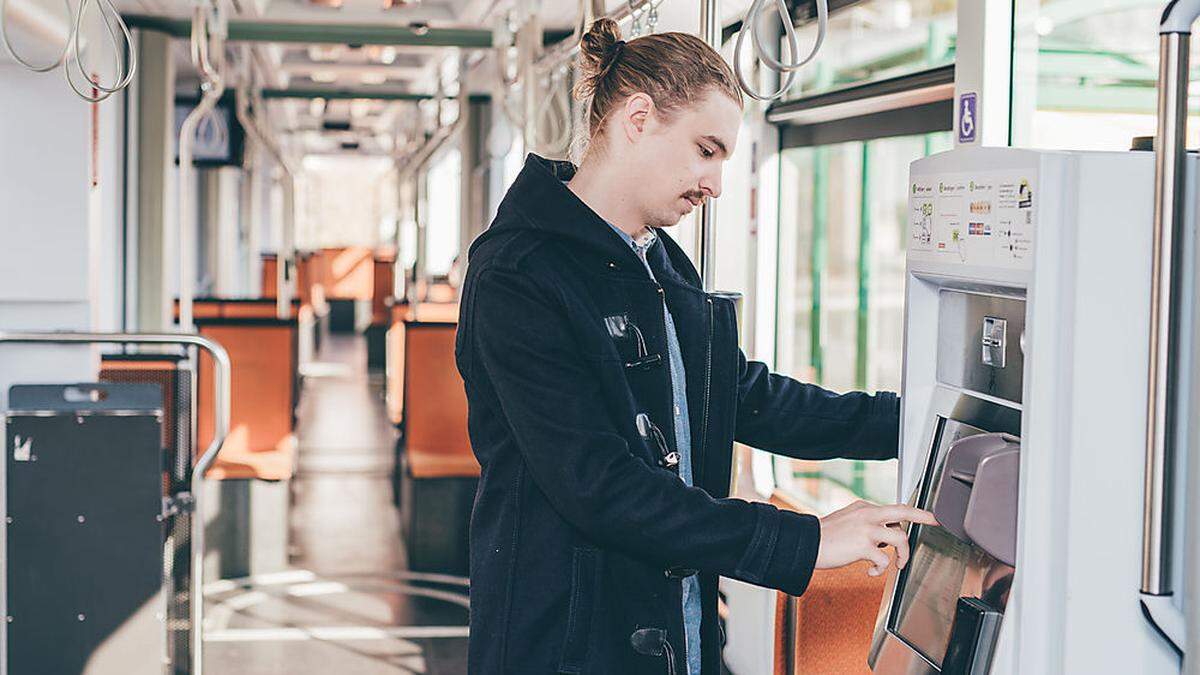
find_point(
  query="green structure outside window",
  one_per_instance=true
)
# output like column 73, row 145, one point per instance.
column 841, row 288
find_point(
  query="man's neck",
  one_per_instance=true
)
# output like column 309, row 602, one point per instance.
column 605, row 193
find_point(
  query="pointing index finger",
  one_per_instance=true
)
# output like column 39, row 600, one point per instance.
column 904, row 513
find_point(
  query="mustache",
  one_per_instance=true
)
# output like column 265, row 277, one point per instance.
column 695, row 195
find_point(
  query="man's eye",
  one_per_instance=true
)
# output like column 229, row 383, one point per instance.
column 705, row 152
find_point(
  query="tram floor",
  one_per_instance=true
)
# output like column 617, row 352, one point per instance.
column 348, row 605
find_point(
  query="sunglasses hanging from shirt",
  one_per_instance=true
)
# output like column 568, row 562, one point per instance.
column 649, row 431
column 621, row 328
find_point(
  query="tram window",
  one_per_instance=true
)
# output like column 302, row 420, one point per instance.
column 513, row 161
column 877, row 39
column 443, row 190
column 342, row 200
column 840, row 314
column 1084, row 74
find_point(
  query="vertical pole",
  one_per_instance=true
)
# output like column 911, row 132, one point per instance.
column 155, row 107
column 286, row 258
column 862, row 330
column 706, row 242
column 820, row 216
column 864, row 272
column 256, row 220
column 247, row 245
column 983, row 69
column 1165, row 289
column 397, row 267
column 529, row 48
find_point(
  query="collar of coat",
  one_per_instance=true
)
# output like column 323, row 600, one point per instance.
column 540, row 200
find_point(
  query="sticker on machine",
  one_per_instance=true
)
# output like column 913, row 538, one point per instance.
column 22, row 449
column 983, row 218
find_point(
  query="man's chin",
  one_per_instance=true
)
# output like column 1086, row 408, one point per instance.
column 670, row 220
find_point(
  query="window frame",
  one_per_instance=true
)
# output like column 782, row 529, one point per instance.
column 906, row 105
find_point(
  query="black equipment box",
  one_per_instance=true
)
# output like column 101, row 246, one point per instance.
column 84, row 529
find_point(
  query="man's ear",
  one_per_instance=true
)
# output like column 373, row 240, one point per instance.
column 635, row 115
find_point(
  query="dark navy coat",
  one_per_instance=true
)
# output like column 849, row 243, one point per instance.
column 579, row 533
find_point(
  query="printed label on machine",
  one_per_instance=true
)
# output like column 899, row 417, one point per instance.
column 982, row 218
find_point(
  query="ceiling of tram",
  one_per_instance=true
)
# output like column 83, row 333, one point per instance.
column 336, row 125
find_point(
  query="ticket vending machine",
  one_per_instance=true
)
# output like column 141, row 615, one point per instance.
column 1023, row 417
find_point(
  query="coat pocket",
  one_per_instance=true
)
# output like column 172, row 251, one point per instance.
column 585, row 569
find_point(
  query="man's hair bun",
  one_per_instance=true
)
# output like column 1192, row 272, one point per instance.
column 598, row 50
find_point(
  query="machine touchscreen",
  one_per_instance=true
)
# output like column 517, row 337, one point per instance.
column 943, row 568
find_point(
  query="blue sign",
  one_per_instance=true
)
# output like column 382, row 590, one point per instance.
column 968, row 117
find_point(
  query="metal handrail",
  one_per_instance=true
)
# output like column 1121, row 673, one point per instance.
column 706, row 238
column 1166, row 285
column 1164, row 293
column 221, row 384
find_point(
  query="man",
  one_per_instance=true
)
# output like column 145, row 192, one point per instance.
column 606, row 390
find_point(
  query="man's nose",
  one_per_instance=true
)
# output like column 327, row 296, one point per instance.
column 711, row 185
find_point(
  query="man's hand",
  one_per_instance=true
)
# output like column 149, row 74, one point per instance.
column 862, row 530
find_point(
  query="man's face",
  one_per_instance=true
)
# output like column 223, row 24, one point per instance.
column 673, row 163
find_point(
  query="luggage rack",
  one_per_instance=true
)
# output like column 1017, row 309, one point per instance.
column 193, row 501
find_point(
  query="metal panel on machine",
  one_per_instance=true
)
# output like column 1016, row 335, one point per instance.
column 84, row 532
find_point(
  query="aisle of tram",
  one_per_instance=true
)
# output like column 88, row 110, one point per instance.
column 348, row 603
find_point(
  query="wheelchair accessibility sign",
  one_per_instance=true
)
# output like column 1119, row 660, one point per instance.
column 968, row 117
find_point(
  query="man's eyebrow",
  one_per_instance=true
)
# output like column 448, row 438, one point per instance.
column 719, row 143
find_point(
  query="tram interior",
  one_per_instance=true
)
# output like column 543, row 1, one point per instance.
column 294, row 185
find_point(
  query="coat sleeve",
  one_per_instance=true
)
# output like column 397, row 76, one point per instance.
column 571, row 446
column 787, row 417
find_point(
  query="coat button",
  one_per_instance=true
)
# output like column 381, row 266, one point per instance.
column 642, row 420
column 612, row 265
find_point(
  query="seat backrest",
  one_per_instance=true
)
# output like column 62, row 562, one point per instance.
column 351, row 273
column 394, row 367
column 828, row 630
column 263, row 356
column 435, row 402
column 437, row 312
column 385, row 281
column 236, row 308
column 269, row 272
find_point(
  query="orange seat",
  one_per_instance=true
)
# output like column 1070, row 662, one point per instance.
column 262, row 353
column 438, row 312
column 349, row 273
column 400, row 313
column 394, row 367
column 163, row 370
column 307, row 263
column 828, row 630
column 441, row 293
column 258, row 308
column 384, row 285
column 435, row 419
column 425, row 462
column 236, row 308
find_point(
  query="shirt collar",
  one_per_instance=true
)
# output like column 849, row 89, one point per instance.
column 639, row 245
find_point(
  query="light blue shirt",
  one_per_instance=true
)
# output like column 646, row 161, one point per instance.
column 683, row 445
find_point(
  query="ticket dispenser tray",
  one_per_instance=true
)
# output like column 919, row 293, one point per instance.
column 977, row 497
